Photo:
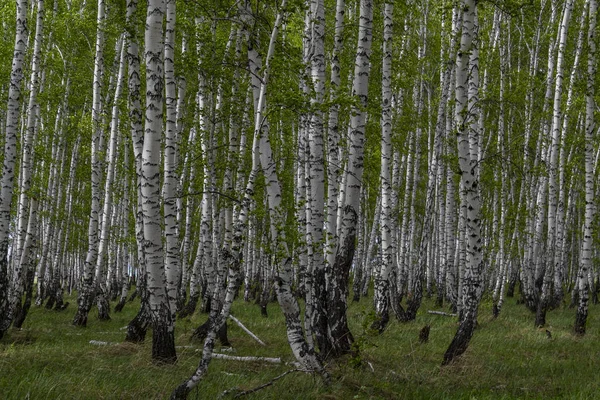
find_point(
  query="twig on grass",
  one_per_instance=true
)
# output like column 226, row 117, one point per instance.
column 256, row 389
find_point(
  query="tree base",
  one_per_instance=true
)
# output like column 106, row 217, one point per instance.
column 181, row 300
column 133, row 295
column 460, row 342
column 137, row 328
column 180, row 393
column 51, row 301
column 120, row 304
column 103, row 307
column 381, row 322
column 540, row 315
column 163, row 345
column 190, row 307
column 80, row 319
column 202, row 332
column 22, row 311
column 495, row 310
column 439, row 301
column 580, row 322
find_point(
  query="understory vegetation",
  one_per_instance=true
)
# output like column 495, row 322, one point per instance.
column 507, row 358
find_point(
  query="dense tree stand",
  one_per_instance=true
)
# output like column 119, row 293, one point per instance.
column 279, row 168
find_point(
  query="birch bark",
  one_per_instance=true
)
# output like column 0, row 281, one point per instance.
column 163, row 340
column 552, row 163
column 15, row 290
column 466, row 95
column 169, row 189
column 590, row 209
column 344, row 253
column 86, row 291
column 382, row 299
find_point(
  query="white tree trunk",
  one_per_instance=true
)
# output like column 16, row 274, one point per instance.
column 552, row 165
column 10, row 156
column 381, row 294
column 169, row 189
column 86, row 290
column 344, row 253
column 103, row 307
column 466, row 96
column 163, row 340
column 333, row 147
column 590, row 209
column 16, row 290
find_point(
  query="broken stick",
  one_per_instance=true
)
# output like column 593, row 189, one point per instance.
column 441, row 313
column 252, row 335
column 275, row 360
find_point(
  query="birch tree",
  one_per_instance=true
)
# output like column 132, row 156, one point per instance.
column 382, row 298
column 86, row 291
column 169, row 190
column 9, row 164
column 163, row 339
column 466, row 95
column 344, row 252
column 552, row 162
column 590, row 209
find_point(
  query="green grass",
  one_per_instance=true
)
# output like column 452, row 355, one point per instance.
column 508, row 359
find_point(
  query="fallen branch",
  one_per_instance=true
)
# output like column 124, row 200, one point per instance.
column 275, row 360
column 252, row 335
column 101, row 343
column 441, row 313
column 371, row 366
column 256, row 389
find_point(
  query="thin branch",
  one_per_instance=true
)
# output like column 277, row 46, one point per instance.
column 256, row 389
column 441, row 313
column 275, row 360
column 237, row 321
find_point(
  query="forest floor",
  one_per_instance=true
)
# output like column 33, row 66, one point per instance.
column 508, row 358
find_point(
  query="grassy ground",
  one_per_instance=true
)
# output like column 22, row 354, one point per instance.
column 508, row 358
